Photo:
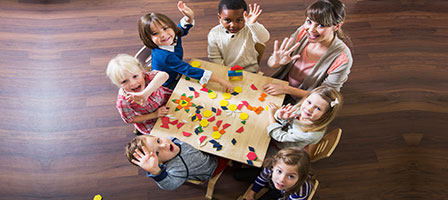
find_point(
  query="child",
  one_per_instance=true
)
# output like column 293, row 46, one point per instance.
column 306, row 122
column 159, row 33
column 136, row 85
column 170, row 162
column 287, row 174
column 232, row 42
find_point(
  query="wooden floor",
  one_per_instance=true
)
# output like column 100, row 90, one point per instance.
column 62, row 137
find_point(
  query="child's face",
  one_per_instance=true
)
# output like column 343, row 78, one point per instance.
column 318, row 33
column 162, row 34
column 284, row 176
column 313, row 107
column 132, row 82
column 232, row 20
column 164, row 148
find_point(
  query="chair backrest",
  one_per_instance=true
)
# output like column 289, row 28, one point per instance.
column 325, row 147
column 144, row 56
column 259, row 47
column 313, row 191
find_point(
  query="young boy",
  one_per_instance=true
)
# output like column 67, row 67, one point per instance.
column 169, row 161
column 232, row 42
column 141, row 98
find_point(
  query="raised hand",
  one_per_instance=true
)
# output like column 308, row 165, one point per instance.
column 147, row 161
column 272, row 108
column 186, row 11
column 253, row 14
column 282, row 55
column 286, row 112
column 138, row 97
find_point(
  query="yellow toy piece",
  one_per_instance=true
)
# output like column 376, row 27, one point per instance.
column 244, row 116
column 195, row 64
column 204, row 123
column 238, row 89
column 97, row 197
column 232, row 107
column 216, row 135
column 223, row 103
column 212, row 95
column 208, row 113
column 226, row 96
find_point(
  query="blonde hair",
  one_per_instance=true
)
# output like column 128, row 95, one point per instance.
column 329, row 95
column 122, row 62
column 292, row 156
column 134, row 144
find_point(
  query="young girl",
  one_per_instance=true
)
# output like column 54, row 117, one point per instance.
column 141, row 98
column 287, row 174
column 159, row 33
column 319, row 56
column 306, row 122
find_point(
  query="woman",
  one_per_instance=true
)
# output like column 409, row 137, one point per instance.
column 319, row 56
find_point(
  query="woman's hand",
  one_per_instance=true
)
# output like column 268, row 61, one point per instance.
column 186, row 11
column 275, row 89
column 253, row 14
column 147, row 161
column 282, row 55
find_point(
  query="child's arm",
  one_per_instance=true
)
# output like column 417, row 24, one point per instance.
column 159, row 79
column 147, row 161
column 161, row 111
column 186, row 11
column 204, row 76
column 259, row 32
column 228, row 87
column 259, row 183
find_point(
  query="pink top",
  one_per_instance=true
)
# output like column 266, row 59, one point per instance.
column 300, row 69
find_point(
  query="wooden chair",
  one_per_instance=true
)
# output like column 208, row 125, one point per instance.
column 144, row 56
column 264, row 190
column 325, row 147
column 259, row 47
column 211, row 183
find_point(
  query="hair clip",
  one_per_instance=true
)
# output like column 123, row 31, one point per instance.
column 333, row 103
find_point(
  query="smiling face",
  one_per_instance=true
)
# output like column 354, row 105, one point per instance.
column 313, row 107
column 164, row 148
column 232, row 20
column 284, row 176
column 318, row 33
column 132, row 81
column 162, row 34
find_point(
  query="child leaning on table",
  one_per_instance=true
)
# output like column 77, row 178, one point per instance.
column 170, row 162
column 232, row 42
column 141, row 98
column 304, row 123
column 287, row 175
column 160, row 33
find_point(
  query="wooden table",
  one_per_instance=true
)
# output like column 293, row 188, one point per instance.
column 254, row 134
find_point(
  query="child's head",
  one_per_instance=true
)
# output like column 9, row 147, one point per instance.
column 164, row 148
column 126, row 72
column 320, row 107
column 157, row 29
column 290, row 169
column 230, row 14
column 330, row 15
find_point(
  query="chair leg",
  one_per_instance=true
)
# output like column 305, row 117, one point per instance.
column 211, row 186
